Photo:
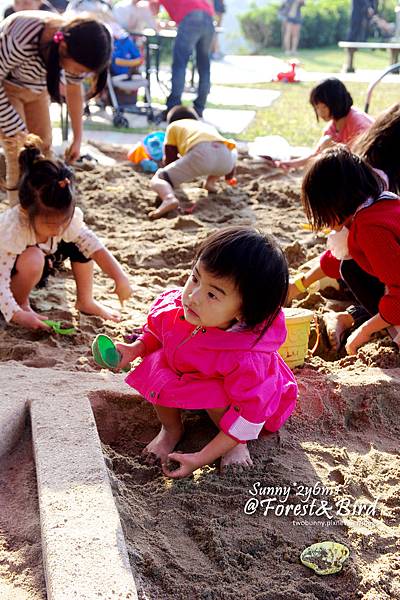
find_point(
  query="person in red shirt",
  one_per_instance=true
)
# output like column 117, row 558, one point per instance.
column 194, row 19
column 341, row 191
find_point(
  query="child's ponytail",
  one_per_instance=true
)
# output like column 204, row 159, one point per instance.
column 45, row 185
column 30, row 153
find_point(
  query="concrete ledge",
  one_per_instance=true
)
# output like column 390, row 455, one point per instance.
column 13, row 412
column 83, row 545
column 84, row 550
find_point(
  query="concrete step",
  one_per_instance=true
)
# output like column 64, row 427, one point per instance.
column 83, row 545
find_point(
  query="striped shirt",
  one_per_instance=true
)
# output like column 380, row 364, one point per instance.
column 21, row 63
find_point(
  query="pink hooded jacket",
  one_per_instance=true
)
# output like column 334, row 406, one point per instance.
column 198, row 368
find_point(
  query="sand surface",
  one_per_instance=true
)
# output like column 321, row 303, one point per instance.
column 192, row 538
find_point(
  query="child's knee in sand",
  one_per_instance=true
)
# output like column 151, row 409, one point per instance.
column 54, row 227
column 31, row 262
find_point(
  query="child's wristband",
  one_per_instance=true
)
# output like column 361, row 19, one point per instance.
column 298, row 282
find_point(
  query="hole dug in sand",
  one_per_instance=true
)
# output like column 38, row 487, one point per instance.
column 209, row 537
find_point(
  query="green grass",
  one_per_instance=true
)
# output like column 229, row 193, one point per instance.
column 331, row 59
column 292, row 117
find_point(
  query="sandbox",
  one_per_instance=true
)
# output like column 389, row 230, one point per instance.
column 205, row 537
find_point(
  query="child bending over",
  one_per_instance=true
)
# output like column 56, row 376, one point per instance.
column 375, row 146
column 333, row 103
column 47, row 226
column 192, row 149
column 213, row 345
column 341, row 191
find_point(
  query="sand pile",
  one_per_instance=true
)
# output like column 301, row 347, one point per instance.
column 192, row 538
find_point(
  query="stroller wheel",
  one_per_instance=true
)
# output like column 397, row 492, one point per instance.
column 120, row 121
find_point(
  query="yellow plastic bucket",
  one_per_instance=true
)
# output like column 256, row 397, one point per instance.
column 294, row 350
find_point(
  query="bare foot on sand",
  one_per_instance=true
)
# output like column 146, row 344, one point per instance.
column 28, row 308
column 168, row 204
column 336, row 324
column 239, row 455
column 163, row 444
column 98, row 310
column 210, row 184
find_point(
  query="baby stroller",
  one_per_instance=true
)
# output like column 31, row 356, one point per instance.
column 125, row 80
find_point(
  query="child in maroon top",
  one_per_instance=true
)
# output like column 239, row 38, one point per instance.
column 367, row 222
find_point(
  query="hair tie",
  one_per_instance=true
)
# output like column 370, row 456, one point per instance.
column 64, row 182
column 58, row 37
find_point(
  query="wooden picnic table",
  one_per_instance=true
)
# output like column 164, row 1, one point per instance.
column 352, row 47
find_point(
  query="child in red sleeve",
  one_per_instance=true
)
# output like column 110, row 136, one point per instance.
column 214, row 346
column 341, row 191
column 375, row 146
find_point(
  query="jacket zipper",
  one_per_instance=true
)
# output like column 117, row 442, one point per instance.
column 196, row 330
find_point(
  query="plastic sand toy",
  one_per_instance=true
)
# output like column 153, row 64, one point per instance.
column 61, row 327
column 298, row 323
column 325, row 558
column 104, row 352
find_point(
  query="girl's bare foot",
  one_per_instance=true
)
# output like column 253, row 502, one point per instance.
column 163, row 444
column 98, row 310
column 210, row 184
column 336, row 324
column 239, row 455
column 168, row 204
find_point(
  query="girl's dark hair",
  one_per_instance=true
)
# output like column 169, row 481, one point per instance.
column 256, row 264
column 45, row 185
column 334, row 94
column 379, row 145
column 176, row 113
column 336, row 183
column 89, row 43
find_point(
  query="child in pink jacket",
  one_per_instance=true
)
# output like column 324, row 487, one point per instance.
column 214, row 346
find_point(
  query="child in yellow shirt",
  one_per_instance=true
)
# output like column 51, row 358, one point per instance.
column 192, row 148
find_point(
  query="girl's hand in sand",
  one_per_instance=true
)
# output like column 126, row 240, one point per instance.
column 123, row 289
column 73, row 152
column 293, row 292
column 359, row 337
column 129, row 352
column 187, row 463
column 281, row 164
column 29, row 320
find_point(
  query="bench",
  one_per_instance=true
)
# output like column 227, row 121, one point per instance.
column 352, row 47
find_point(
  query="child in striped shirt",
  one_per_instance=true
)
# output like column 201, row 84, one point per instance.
column 35, row 47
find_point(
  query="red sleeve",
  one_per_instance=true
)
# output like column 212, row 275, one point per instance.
column 170, row 154
column 330, row 264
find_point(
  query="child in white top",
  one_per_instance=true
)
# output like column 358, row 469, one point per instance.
column 47, row 225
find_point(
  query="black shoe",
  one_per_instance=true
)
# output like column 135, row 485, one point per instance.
column 161, row 117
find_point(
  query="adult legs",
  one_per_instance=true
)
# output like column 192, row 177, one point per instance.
column 203, row 50
column 295, row 37
column 189, row 31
